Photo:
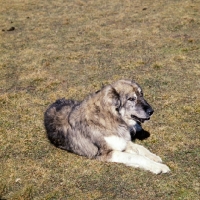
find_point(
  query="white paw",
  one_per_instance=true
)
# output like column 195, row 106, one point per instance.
column 159, row 168
column 155, row 158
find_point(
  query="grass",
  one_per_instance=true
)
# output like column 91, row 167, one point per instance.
column 71, row 48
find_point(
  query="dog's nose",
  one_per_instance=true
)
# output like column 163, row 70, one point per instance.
column 150, row 111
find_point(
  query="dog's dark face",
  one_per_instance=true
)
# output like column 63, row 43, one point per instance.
column 133, row 107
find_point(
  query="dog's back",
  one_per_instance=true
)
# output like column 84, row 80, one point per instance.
column 62, row 130
column 56, row 120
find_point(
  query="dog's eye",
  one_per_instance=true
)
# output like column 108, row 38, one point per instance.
column 132, row 99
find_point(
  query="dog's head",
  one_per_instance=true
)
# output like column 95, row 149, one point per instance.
column 124, row 99
column 132, row 107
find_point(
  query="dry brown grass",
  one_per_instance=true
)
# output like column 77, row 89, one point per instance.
column 70, row 48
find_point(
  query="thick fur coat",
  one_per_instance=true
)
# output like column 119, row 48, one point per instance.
column 100, row 126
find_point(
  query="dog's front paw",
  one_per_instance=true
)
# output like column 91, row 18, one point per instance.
column 159, row 168
column 154, row 157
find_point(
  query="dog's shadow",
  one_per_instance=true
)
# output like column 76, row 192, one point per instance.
column 140, row 135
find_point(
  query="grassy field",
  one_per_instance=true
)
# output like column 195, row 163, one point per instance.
column 51, row 49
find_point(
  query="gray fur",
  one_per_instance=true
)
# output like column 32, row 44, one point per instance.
column 80, row 127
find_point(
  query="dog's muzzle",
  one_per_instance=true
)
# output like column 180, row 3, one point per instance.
column 140, row 120
column 149, row 112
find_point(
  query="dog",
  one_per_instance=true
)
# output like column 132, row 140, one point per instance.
column 100, row 126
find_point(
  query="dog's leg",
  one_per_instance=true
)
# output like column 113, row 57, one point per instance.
column 137, row 161
column 140, row 150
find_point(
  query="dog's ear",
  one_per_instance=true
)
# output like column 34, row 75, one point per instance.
column 111, row 97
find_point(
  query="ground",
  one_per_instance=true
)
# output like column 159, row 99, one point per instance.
column 53, row 49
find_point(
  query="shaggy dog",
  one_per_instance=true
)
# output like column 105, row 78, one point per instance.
column 100, row 126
